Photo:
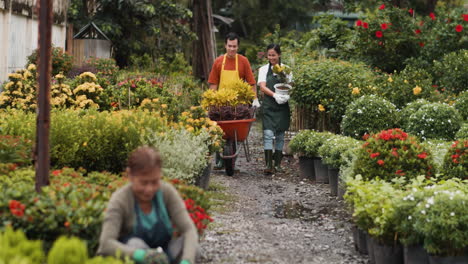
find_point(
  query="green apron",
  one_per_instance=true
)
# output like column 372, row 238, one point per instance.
column 276, row 117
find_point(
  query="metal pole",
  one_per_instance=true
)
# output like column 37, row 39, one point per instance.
column 43, row 102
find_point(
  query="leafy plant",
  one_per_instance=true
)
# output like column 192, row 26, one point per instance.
column 307, row 142
column 391, row 154
column 435, row 120
column 334, row 147
column 15, row 149
column 450, row 72
column 368, row 114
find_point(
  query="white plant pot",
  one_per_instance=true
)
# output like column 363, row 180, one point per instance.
column 282, row 88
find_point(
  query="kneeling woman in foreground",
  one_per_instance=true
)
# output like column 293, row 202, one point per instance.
column 139, row 217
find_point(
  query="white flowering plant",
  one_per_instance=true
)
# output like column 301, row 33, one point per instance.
column 368, row 114
column 441, row 218
column 436, row 120
column 183, row 153
column 334, row 147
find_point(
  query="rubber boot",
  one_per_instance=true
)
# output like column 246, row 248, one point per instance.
column 278, row 156
column 269, row 162
column 219, row 162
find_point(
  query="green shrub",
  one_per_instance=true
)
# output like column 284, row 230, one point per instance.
column 87, row 138
column 328, row 85
column 15, row 149
column 461, row 104
column 393, row 153
column 61, row 61
column 436, row 120
column 450, row 72
column 406, row 86
column 408, row 110
column 368, row 114
column 307, row 142
column 373, row 205
column 463, row 132
column 16, row 248
column 333, row 149
column 68, row 250
column 456, row 160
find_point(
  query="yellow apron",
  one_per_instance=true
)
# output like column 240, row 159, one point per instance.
column 227, row 77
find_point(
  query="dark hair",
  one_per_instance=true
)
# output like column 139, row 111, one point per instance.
column 143, row 160
column 232, row 36
column 275, row 47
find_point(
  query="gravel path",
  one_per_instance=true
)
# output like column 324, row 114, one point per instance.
column 277, row 219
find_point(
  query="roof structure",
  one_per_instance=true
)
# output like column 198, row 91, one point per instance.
column 90, row 31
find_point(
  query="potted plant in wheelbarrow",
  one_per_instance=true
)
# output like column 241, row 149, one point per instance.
column 230, row 108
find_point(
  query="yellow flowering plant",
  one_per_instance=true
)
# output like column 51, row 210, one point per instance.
column 230, row 102
column 196, row 120
column 87, row 93
column 20, row 90
column 282, row 73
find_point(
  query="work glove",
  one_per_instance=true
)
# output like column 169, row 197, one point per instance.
column 155, row 256
column 280, row 98
column 256, row 103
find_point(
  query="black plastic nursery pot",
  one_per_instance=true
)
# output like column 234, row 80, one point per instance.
column 333, row 175
column 448, row 259
column 306, row 167
column 321, row 171
column 415, row 255
column 360, row 240
column 203, row 179
column 387, row 254
column 341, row 188
column 370, row 248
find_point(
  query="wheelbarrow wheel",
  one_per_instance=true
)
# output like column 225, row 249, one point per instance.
column 229, row 164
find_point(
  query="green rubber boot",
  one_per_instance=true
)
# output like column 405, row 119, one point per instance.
column 278, row 156
column 219, row 162
column 269, row 162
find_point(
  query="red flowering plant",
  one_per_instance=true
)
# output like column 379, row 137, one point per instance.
column 197, row 203
column 390, row 36
column 386, row 38
column 456, row 161
column 392, row 153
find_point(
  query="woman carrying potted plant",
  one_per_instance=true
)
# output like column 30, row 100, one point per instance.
column 276, row 114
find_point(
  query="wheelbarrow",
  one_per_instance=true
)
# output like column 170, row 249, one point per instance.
column 235, row 134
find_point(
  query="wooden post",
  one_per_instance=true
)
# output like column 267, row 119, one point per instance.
column 43, row 102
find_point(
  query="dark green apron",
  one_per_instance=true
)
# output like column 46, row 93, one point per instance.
column 161, row 232
column 276, row 117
